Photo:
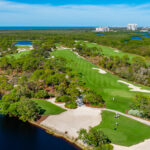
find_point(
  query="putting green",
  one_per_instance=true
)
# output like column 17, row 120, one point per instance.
column 128, row 132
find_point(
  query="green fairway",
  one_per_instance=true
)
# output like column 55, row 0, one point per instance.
column 23, row 46
column 17, row 55
column 48, row 108
column 128, row 132
column 108, row 51
column 105, row 84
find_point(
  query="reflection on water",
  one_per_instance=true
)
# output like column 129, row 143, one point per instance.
column 16, row 135
column 23, row 43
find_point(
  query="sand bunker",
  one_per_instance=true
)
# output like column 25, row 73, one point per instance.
column 72, row 121
column 116, row 51
column 78, row 55
column 133, row 87
column 100, row 70
column 141, row 146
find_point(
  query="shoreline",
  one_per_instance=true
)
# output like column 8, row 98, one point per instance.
column 58, row 134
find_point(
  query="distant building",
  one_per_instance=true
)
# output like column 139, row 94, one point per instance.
column 102, row 29
column 132, row 27
column 145, row 29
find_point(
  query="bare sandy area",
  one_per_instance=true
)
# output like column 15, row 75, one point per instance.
column 24, row 49
column 100, row 70
column 72, row 121
column 141, row 146
column 133, row 87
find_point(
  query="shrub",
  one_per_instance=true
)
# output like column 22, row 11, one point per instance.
column 42, row 94
column 71, row 105
column 95, row 138
column 105, row 147
column 93, row 98
column 64, row 98
column 135, row 113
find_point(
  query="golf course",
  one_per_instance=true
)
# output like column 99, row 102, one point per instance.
column 116, row 95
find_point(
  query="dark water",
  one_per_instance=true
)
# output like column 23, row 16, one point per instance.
column 16, row 135
column 23, row 43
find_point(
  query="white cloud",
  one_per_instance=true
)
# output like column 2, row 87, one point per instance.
column 13, row 14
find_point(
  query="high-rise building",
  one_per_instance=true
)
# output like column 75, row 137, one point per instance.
column 132, row 27
column 102, row 29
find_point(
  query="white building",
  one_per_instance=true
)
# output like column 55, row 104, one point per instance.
column 132, row 27
column 102, row 29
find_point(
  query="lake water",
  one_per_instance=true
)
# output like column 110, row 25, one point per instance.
column 16, row 135
column 136, row 38
column 100, row 34
column 23, row 43
column 145, row 34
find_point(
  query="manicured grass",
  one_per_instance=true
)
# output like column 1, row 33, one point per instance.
column 108, row 51
column 129, row 131
column 17, row 55
column 104, row 84
column 23, row 46
column 48, row 108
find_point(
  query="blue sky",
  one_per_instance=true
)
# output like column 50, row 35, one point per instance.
column 81, row 2
column 74, row 12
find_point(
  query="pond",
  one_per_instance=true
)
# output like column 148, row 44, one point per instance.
column 23, row 43
column 136, row 38
column 17, row 135
column 100, row 34
column 145, row 34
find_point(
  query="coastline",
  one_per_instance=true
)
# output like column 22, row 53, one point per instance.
column 56, row 133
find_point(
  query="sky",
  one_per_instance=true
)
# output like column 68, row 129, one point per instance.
column 74, row 12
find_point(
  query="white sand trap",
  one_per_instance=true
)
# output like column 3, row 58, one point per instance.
column 141, row 146
column 100, row 70
column 133, row 87
column 72, row 121
column 78, row 55
column 116, row 51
